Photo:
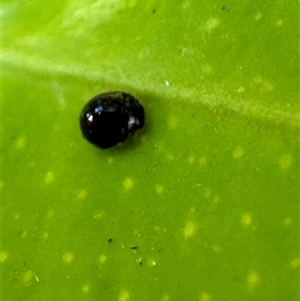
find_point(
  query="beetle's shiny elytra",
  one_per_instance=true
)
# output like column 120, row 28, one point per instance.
column 109, row 118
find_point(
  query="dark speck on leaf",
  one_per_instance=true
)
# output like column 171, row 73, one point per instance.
column 225, row 8
column 110, row 240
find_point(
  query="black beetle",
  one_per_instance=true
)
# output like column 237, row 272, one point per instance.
column 109, row 118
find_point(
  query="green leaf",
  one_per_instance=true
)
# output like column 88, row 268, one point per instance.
column 201, row 204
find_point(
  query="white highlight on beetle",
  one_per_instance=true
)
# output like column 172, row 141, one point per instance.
column 132, row 121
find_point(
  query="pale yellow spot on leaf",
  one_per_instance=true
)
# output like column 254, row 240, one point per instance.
column 264, row 83
column 166, row 297
column 279, row 22
column 82, row 194
column 16, row 215
column 257, row 79
column 189, row 230
column 28, row 276
column 159, row 189
column 295, row 262
column 192, row 210
column 253, row 279
column 212, row 23
column 216, row 199
column 3, row 256
column 98, row 215
column 50, row 213
column 285, row 161
column 287, row 221
column 49, row 177
column 21, row 142
column 216, row 248
column 247, row 219
column 238, row 152
column 110, row 160
column 124, row 296
column 203, row 161
column 45, row 235
column 151, row 262
column 241, row 89
column 102, row 258
column 191, row 159
column 172, row 122
column 186, row 4
column 258, row 16
column 139, row 260
column 24, row 234
column 85, row 288
column 205, row 297
column 157, row 228
column 207, row 193
column 68, row 257
column 32, row 165
column 128, row 183
column 268, row 86
column 170, row 157
column 207, row 69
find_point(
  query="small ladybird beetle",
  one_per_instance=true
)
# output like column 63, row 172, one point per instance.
column 109, row 118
